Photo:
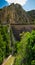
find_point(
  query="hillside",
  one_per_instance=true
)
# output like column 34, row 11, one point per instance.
column 32, row 15
column 15, row 14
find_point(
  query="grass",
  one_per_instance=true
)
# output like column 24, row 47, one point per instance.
column 10, row 61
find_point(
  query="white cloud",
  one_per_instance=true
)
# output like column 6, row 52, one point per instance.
column 22, row 2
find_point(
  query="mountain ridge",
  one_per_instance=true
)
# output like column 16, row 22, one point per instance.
column 15, row 14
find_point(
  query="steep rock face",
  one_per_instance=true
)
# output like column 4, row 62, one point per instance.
column 14, row 14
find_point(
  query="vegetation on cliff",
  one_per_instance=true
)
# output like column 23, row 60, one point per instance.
column 5, row 48
column 25, row 49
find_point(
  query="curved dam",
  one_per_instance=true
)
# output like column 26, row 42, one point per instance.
column 17, row 29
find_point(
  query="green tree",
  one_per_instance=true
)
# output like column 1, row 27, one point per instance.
column 4, row 42
column 26, row 49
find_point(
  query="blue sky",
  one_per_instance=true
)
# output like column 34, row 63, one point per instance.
column 27, row 4
column 3, row 3
column 30, row 4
